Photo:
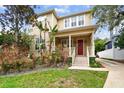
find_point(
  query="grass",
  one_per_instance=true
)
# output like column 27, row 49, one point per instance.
column 56, row 79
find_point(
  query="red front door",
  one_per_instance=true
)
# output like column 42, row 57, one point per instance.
column 80, row 47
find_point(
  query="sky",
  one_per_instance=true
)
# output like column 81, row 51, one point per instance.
column 62, row 10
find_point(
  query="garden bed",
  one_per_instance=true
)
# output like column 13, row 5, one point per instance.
column 94, row 63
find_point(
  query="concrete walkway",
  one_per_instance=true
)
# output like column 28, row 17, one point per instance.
column 115, row 77
column 88, row 68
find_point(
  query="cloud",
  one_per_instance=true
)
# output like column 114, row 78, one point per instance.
column 104, row 33
column 47, row 6
column 62, row 10
column 2, row 7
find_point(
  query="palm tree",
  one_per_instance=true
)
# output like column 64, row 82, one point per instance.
column 46, row 29
column 52, row 34
column 40, row 26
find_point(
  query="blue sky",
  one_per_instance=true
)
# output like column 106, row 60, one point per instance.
column 62, row 10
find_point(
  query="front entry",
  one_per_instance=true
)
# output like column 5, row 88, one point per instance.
column 80, row 47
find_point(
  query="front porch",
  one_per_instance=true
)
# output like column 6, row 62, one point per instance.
column 80, row 46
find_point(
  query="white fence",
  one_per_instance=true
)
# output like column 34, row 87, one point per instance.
column 115, row 53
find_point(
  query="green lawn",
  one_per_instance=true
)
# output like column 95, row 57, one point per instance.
column 56, row 78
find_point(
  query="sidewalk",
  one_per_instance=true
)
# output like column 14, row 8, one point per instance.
column 88, row 68
column 115, row 77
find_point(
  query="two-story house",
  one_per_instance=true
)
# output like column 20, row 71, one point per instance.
column 75, row 31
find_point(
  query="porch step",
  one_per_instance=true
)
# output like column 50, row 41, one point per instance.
column 80, row 61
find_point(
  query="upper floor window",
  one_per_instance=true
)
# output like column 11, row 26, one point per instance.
column 73, row 21
column 80, row 20
column 67, row 22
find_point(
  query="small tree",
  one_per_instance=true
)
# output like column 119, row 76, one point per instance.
column 99, row 45
column 16, row 17
column 120, row 40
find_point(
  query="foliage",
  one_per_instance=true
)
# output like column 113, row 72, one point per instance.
column 108, row 15
column 99, row 44
column 38, row 60
column 8, row 38
column 93, row 63
column 16, row 17
column 26, row 40
column 120, row 40
column 42, row 29
column 69, row 61
column 56, row 56
column 6, row 66
column 17, row 65
column 60, row 79
column 1, row 39
column 53, row 32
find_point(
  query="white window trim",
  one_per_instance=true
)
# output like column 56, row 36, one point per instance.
column 77, row 25
column 83, row 20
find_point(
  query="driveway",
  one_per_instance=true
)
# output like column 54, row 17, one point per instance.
column 115, row 77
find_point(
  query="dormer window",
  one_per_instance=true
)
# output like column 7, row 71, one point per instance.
column 80, row 20
column 73, row 21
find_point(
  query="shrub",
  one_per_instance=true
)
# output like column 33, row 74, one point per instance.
column 38, row 60
column 56, row 56
column 6, row 66
column 8, row 38
column 93, row 63
column 26, row 40
column 69, row 61
column 18, row 65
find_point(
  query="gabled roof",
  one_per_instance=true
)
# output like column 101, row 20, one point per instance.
column 74, row 14
column 48, row 12
column 61, row 17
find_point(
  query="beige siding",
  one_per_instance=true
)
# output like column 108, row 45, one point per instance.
column 54, row 20
column 61, row 24
column 88, row 20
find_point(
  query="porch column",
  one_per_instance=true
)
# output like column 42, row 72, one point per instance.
column 92, row 45
column 69, row 45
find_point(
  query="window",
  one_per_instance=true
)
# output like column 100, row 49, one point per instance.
column 73, row 21
column 37, row 43
column 80, row 20
column 67, row 22
column 65, row 43
column 37, row 40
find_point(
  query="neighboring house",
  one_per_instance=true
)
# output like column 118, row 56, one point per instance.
column 111, row 51
column 111, row 43
column 75, row 32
